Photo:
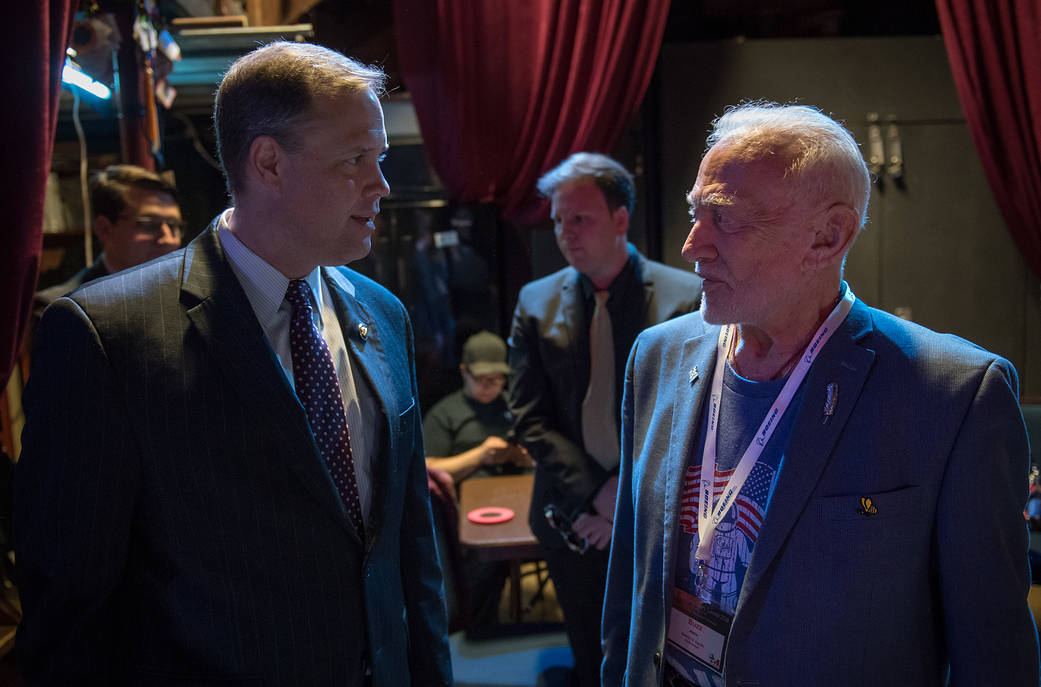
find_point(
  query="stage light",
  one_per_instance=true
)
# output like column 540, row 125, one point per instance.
column 73, row 76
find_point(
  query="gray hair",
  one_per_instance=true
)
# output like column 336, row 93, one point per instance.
column 613, row 180
column 270, row 91
column 820, row 155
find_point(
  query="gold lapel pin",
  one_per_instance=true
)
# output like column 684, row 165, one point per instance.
column 363, row 331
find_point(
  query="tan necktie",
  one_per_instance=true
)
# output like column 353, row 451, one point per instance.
column 599, row 425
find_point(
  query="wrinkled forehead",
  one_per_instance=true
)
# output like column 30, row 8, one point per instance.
column 730, row 174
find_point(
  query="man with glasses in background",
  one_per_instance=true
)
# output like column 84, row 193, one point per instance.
column 136, row 218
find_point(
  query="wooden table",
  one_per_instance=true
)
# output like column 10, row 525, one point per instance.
column 509, row 541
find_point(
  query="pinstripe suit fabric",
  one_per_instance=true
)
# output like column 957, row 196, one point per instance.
column 176, row 525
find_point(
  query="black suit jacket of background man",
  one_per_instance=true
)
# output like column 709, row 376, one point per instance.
column 549, row 372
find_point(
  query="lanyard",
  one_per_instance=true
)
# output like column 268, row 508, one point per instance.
column 709, row 517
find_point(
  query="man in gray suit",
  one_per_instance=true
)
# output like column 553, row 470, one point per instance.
column 571, row 335
column 812, row 491
column 222, row 477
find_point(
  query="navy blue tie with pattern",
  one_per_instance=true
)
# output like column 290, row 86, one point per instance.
column 318, row 389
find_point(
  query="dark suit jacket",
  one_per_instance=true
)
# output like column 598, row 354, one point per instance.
column 931, row 586
column 44, row 297
column 549, row 373
column 175, row 522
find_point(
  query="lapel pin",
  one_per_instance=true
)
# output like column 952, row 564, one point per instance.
column 363, row 331
column 831, row 399
column 867, row 507
column 692, row 376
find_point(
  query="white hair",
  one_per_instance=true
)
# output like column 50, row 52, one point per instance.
column 820, row 155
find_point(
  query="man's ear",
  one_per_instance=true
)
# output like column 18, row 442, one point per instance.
column 103, row 228
column 620, row 218
column 265, row 162
column 833, row 236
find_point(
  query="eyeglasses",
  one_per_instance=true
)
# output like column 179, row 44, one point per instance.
column 562, row 524
column 488, row 379
column 149, row 224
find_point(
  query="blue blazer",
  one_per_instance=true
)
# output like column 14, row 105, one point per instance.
column 176, row 523
column 932, row 587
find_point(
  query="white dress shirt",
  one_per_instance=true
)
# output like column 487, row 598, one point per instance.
column 265, row 288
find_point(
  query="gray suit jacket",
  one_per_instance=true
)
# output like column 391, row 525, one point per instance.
column 175, row 522
column 928, row 426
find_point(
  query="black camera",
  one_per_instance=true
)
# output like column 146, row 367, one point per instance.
column 563, row 525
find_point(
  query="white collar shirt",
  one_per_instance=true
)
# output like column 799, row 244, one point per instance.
column 265, row 289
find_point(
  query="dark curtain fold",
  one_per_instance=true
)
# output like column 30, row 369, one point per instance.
column 995, row 53
column 35, row 47
column 505, row 90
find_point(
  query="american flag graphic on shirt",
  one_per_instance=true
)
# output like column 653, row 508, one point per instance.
column 748, row 504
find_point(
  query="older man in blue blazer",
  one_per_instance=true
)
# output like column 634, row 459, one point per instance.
column 222, row 479
column 812, row 492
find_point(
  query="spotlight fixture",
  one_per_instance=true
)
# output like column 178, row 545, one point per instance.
column 72, row 75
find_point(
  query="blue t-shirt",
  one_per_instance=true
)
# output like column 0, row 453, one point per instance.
column 743, row 406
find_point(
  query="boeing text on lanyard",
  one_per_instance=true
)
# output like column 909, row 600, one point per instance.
column 706, row 640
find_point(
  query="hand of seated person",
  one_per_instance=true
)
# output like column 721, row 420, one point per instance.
column 519, row 456
column 595, row 528
column 496, row 451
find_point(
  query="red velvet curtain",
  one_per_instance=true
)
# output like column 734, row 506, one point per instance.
column 37, row 36
column 505, row 90
column 994, row 48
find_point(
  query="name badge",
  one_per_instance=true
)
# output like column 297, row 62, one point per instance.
column 699, row 629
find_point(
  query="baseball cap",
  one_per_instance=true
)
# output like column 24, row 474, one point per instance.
column 485, row 353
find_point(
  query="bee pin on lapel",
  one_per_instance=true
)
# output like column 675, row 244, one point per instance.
column 692, row 376
column 867, row 507
column 363, row 331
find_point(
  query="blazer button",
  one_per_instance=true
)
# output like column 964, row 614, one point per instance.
column 657, row 659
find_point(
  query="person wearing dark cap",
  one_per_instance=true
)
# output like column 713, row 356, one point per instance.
column 468, row 435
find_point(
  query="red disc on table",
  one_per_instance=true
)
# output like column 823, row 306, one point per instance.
column 490, row 515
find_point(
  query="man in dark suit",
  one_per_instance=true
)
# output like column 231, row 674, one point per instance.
column 136, row 218
column 222, row 476
column 570, row 339
column 812, row 491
